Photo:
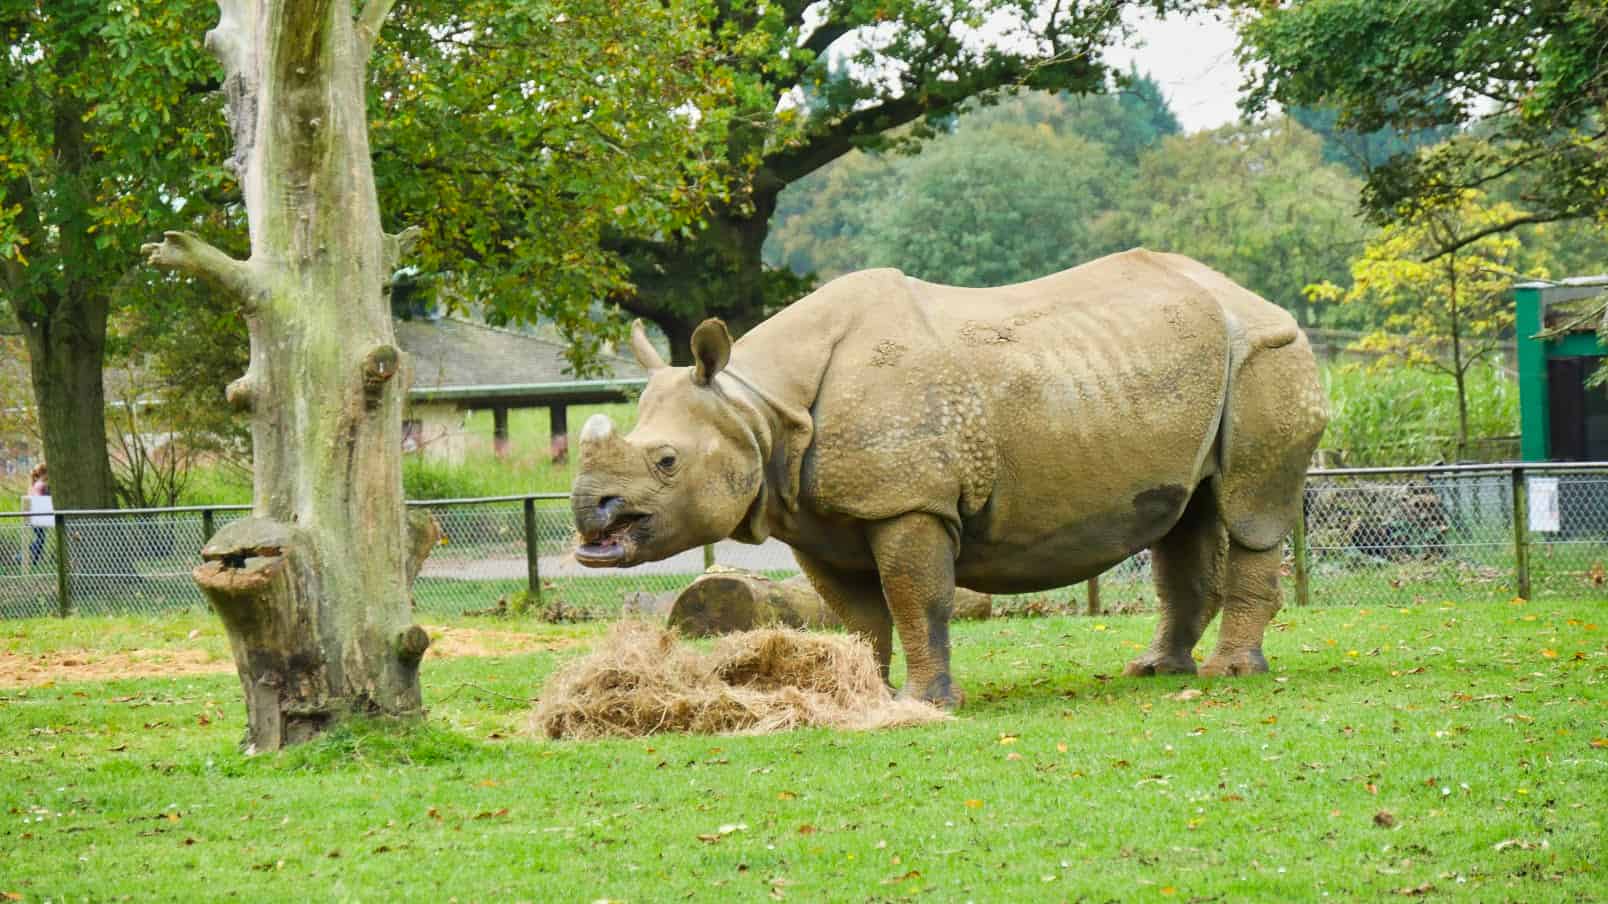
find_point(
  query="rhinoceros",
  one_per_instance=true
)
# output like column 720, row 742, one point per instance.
column 906, row 438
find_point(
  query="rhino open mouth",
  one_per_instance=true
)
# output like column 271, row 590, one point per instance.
column 616, row 545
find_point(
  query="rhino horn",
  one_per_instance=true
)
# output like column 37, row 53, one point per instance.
column 596, row 434
column 646, row 354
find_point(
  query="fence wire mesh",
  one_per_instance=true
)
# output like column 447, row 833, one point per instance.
column 1375, row 538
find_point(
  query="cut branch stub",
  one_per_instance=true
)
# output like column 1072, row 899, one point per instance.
column 189, row 254
column 397, row 246
column 242, row 393
column 424, row 532
column 379, row 366
column 411, row 644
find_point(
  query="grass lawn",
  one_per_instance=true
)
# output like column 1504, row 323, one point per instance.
column 1454, row 751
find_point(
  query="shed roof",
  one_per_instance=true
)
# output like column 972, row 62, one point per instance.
column 450, row 353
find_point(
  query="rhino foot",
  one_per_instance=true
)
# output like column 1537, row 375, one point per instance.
column 1244, row 662
column 941, row 692
column 1160, row 664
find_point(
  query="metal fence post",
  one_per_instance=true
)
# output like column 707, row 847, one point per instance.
column 64, row 592
column 1094, row 595
column 208, row 527
column 1521, row 533
column 533, row 571
column 1298, row 548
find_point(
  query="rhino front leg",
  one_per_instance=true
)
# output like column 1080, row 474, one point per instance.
column 857, row 600
column 1189, row 566
column 1251, row 598
column 916, row 561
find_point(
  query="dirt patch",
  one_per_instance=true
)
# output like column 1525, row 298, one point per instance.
column 64, row 666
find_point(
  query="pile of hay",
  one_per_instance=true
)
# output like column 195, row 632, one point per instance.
column 642, row 680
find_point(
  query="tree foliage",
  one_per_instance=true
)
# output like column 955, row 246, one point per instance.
column 108, row 128
column 1526, row 82
column 1255, row 201
column 515, row 135
column 948, row 215
column 1442, row 314
column 905, row 67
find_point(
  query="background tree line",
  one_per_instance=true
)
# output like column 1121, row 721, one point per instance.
column 580, row 163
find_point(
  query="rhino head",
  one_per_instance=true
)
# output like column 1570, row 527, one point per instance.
column 689, row 473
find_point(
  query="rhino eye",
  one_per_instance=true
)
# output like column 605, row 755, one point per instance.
column 666, row 462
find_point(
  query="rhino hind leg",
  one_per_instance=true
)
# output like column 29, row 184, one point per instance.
column 857, row 601
column 1188, row 565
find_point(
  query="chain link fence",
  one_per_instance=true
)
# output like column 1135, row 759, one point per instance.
column 1370, row 537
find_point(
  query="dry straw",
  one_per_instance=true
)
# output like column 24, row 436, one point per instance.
column 643, row 680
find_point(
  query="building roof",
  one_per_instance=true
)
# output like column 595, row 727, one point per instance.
column 476, row 365
column 450, row 353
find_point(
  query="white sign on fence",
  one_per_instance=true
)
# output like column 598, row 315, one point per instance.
column 1543, row 492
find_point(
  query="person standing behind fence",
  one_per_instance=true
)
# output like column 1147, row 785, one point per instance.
column 41, row 511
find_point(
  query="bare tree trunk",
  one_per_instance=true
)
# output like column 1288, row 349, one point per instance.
column 1458, row 367
column 313, row 587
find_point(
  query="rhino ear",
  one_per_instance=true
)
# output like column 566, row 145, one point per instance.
column 646, row 354
column 711, row 349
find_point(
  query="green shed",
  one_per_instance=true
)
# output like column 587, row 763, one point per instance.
column 1560, row 418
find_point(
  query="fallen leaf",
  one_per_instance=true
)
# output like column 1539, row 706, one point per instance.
column 1384, row 819
column 492, row 814
column 10, row 896
column 433, row 813
column 806, row 829
column 194, row 633
column 785, row 795
column 1519, row 843
column 973, row 803
column 1168, row 890
column 709, row 839
column 119, row 748
column 1008, row 739
column 1549, row 653
column 1062, row 747
column 1599, row 743
column 1372, row 788
column 1013, row 755
column 1416, row 890
column 1188, row 693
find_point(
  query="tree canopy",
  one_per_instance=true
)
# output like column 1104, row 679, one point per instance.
column 1524, row 81
column 811, row 82
column 513, row 134
column 1255, row 201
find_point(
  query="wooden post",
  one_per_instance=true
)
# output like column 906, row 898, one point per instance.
column 499, row 431
column 64, row 586
column 208, row 526
column 1298, row 548
column 533, row 572
column 1521, row 533
column 709, row 555
column 1094, row 595
column 558, row 432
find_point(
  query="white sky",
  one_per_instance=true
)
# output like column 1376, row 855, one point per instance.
column 1193, row 59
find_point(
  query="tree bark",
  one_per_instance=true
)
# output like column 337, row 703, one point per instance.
column 66, row 350
column 314, row 587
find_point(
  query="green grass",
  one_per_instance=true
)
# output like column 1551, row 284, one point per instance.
column 1472, row 725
